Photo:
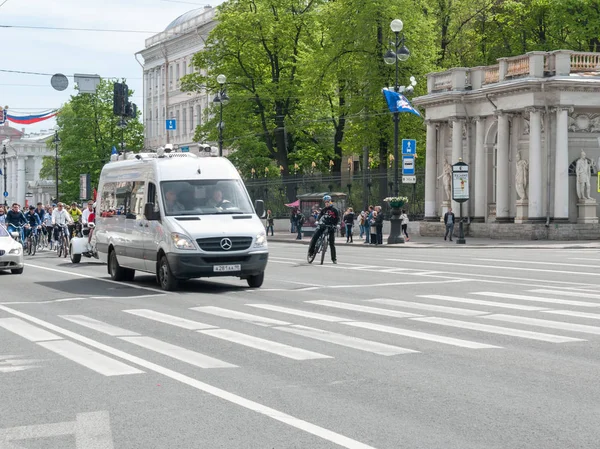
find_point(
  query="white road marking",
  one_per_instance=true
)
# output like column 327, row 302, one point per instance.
column 241, row 316
column 290, row 420
column 494, row 267
column 482, row 302
column 12, row 363
column 430, row 307
column 99, row 326
column 88, row 358
column 422, row 336
column 364, row 309
column 178, row 353
column 27, row 330
column 533, row 262
column 592, row 316
column 169, row 319
column 536, row 299
column 346, row 340
column 71, row 273
column 91, row 431
column 584, row 258
column 546, row 323
column 566, row 293
column 302, row 313
column 264, row 345
column 498, row 330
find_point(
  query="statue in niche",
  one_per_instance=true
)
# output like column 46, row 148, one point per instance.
column 583, row 169
column 521, row 176
column 447, row 179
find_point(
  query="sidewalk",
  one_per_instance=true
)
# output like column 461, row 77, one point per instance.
column 435, row 242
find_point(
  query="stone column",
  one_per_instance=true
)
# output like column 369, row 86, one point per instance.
column 480, row 171
column 535, row 196
column 13, row 180
column 430, row 171
column 21, row 181
column 457, row 152
column 561, row 164
column 502, row 181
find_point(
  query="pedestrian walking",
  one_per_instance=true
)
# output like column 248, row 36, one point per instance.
column 361, row 224
column 404, row 221
column 270, row 222
column 373, row 229
column 349, row 221
column 299, row 223
column 449, row 221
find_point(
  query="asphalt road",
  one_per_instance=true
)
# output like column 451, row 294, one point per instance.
column 391, row 348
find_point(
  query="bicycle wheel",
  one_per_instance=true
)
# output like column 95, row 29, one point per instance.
column 33, row 244
column 59, row 248
column 324, row 244
column 28, row 245
column 65, row 245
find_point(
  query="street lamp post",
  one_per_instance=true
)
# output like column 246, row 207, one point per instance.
column 222, row 99
column 56, row 141
column 4, row 154
column 399, row 53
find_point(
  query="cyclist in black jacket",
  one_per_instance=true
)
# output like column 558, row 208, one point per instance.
column 15, row 220
column 328, row 218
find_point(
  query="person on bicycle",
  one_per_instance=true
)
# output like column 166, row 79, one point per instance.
column 33, row 219
column 328, row 219
column 60, row 218
column 15, row 220
column 75, row 226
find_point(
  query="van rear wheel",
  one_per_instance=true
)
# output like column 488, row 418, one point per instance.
column 117, row 272
column 165, row 276
column 256, row 281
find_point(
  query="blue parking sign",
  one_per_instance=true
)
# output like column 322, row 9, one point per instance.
column 171, row 125
column 409, row 146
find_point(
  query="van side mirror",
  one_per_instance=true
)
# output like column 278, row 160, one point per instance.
column 150, row 213
column 259, row 206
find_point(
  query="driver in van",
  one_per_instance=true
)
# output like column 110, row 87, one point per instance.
column 171, row 203
column 217, row 199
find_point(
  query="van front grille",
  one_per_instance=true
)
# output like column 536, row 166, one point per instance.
column 218, row 244
column 226, row 259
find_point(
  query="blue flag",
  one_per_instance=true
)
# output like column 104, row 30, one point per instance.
column 398, row 103
column 114, row 150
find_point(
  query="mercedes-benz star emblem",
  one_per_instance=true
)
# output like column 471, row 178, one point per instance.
column 226, row 244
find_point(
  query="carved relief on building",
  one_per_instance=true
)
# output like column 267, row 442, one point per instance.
column 584, row 123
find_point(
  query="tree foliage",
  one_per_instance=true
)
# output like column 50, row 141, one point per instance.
column 88, row 130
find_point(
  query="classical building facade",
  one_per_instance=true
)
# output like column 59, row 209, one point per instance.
column 521, row 125
column 167, row 58
column 24, row 157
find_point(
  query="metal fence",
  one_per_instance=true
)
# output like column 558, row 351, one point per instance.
column 362, row 188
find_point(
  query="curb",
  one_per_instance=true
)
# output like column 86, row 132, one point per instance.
column 416, row 245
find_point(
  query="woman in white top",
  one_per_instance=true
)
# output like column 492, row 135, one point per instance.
column 404, row 222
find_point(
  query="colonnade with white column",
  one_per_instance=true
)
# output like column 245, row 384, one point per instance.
column 507, row 145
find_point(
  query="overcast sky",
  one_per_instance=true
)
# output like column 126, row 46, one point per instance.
column 107, row 54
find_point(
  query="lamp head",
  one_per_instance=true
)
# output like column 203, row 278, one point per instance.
column 396, row 25
column 403, row 54
column 389, row 57
column 221, row 79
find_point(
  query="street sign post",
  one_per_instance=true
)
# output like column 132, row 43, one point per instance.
column 409, row 146
column 460, row 192
column 408, row 165
column 5, row 194
column 171, row 125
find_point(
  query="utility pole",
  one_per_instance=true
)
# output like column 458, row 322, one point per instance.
column 56, row 141
column 4, row 153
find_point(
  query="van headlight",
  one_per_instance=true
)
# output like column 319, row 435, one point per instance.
column 261, row 240
column 181, row 241
column 16, row 251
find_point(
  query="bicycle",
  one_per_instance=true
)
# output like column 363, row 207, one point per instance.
column 31, row 242
column 62, row 243
column 321, row 245
column 17, row 233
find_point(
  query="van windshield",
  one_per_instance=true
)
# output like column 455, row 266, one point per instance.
column 205, row 197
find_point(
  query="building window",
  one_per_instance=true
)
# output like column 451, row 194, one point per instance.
column 198, row 115
column 178, row 130
column 157, row 123
column 177, row 71
column 184, row 68
column 183, row 121
column 192, row 120
column 170, row 77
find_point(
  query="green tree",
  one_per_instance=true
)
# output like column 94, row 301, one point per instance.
column 88, row 130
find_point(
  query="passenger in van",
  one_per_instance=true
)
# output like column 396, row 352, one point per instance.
column 186, row 198
column 217, row 199
column 171, row 204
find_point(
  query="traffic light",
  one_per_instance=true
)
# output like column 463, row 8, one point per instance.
column 120, row 99
column 131, row 110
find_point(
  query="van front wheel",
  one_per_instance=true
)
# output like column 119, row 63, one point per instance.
column 256, row 281
column 165, row 276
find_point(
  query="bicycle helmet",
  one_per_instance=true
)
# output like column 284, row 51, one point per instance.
column 326, row 198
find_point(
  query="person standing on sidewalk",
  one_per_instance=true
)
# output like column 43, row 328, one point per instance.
column 349, row 221
column 299, row 223
column 404, row 221
column 449, row 221
column 379, row 226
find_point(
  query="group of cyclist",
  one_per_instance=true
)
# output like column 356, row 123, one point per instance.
column 46, row 222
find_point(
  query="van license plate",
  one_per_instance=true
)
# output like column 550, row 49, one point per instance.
column 221, row 268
